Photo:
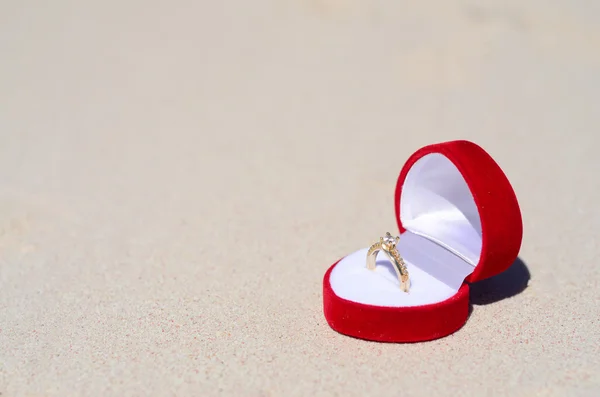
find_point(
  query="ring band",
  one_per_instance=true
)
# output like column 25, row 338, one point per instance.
column 387, row 244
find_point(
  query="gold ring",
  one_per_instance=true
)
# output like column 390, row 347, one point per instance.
column 387, row 244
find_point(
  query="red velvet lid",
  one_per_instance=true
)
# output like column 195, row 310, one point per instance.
column 501, row 228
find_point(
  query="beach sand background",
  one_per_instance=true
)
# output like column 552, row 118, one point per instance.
column 176, row 177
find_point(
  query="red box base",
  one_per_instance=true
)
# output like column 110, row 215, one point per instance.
column 395, row 324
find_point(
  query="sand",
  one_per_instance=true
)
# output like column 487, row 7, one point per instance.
column 176, row 177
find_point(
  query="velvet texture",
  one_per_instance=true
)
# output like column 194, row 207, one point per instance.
column 502, row 230
column 395, row 324
column 501, row 223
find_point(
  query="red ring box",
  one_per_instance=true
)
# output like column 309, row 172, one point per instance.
column 459, row 221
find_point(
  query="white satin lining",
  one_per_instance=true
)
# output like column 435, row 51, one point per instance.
column 437, row 204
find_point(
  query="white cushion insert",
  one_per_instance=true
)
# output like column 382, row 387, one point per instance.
column 350, row 279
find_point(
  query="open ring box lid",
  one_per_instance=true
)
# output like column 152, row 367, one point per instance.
column 459, row 221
